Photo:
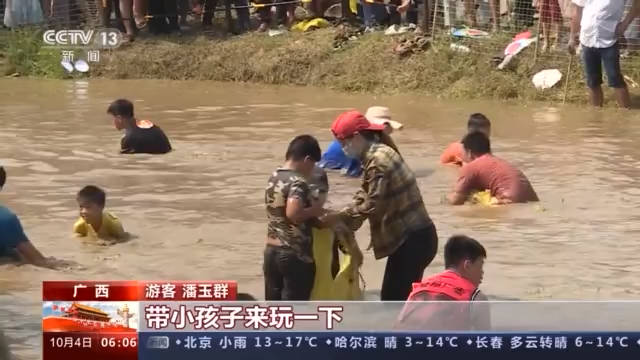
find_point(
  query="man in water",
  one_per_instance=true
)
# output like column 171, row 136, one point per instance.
column 602, row 27
column 140, row 136
column 13, row 242
column 454, row 153
column 464, row 261
column 487, row 172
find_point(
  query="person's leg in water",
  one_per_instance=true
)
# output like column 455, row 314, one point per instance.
column 407, row 264
column 592, row 62
column 298, row 276
column 126, row 12
column 611, row 62
column 273, row 281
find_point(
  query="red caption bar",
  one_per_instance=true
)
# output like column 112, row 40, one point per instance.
column 139, row 290
column 94, row 346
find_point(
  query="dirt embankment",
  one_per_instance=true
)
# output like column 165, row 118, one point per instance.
column 366, row 64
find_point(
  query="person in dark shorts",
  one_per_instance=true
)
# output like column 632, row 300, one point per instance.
column 401, row 229
column 141, row 136
column 289, row 270
column 601, row 27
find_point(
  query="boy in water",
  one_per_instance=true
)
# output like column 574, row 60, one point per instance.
column 94, row 222
column 141, row 136
column 484, row 171
column 289, row 269
column 454, row 153
column 13, row 241
column 464, row 260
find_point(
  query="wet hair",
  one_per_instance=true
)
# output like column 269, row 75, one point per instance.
column 478, row 121
column 381, row 137
column 302, row 146
column 93, row 194
column 460, row 248
column 121, row 107
column 3, row 176
column 477, row 143
column 245, row 297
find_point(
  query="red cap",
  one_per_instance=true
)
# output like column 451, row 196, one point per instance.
column 350, row 122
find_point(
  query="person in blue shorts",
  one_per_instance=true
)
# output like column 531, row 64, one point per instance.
column 335, row 159
column 601, row 25
column 13, row 241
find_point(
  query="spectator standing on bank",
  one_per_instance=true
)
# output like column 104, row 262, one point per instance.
column 600, row 25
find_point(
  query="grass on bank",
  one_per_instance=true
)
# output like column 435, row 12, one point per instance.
column 309, row 59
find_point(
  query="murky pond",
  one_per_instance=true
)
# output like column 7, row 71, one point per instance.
column 198, row 212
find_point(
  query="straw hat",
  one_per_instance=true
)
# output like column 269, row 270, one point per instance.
column 382, row 115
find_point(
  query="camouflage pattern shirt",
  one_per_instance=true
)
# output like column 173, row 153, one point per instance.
column 285, row 184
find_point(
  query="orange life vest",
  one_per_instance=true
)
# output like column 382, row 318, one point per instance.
column 439, row 315
column 144, row 124
column 447, row 283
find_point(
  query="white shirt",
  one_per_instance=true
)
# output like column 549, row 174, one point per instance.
column 599, row 21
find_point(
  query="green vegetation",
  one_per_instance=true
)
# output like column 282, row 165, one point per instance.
column 309, row 59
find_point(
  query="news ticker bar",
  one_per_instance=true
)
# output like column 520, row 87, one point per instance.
column 230, row 316
column 338, row 345
column 139, row 290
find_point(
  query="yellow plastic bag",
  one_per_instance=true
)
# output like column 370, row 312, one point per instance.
column 307, row 25
column 346, row 285
column 483, row 198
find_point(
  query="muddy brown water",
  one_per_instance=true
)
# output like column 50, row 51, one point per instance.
column 198, row 212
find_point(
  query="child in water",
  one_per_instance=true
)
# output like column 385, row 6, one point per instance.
column 455, row 153
column 331, row 281
column 94, row 222
column 430, row 307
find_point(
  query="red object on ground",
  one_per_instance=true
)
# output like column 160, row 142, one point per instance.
column 522, row 35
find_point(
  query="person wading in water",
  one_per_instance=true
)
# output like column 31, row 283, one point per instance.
column 401, row 229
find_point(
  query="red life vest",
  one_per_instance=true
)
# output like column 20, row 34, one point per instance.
column 441, row 314
column 447, row 283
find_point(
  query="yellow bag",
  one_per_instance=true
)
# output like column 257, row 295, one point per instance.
column 307, row 25
column 483, row 198
column 322, row 255
column 346, row 285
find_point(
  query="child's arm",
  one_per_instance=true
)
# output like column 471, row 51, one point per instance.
column 116, row 230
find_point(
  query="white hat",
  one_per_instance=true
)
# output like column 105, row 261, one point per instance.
column 382, row 115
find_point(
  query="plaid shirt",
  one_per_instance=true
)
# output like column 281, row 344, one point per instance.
column 389, row 198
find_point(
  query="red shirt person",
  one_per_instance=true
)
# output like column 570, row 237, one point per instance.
column 487, row 172
column 454, row 153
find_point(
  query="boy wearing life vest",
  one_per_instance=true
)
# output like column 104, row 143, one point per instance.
column 464, row 260
column 454, row 153
column 141, row 136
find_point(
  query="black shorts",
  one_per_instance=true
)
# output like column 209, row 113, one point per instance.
column 286, row 276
